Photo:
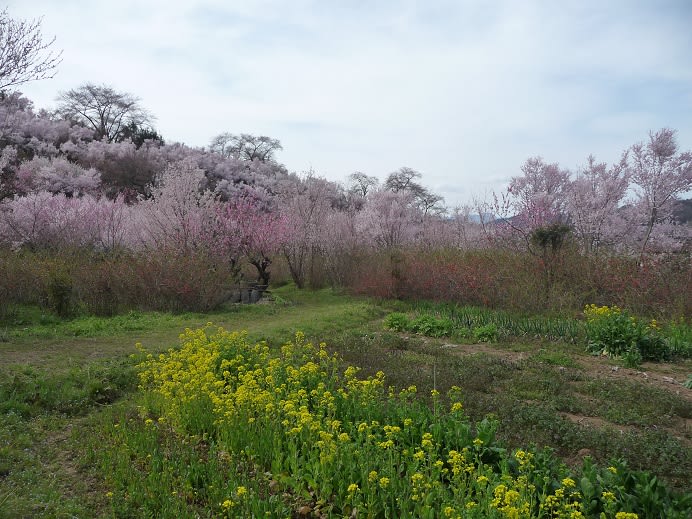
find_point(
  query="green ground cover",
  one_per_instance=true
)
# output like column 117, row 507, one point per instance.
column 70, row 407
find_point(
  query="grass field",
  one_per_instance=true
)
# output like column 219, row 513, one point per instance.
column 65, row 384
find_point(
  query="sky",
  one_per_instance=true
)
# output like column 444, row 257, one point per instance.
column 462, row 91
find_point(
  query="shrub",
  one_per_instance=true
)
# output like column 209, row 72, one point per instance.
column 431, row 326
column 60, row 298
column 427, row 325
column 609, row 330
column 511, row 280
column 678, row 336
column 612, row 331
column 397, row 321
column 485, row 333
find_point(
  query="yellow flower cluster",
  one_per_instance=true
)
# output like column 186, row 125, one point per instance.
column 564, row 502
column 309, row 418
column 593, row 312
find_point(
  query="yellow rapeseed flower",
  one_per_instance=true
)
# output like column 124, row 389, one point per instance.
column 568, row 483
column 608, row 496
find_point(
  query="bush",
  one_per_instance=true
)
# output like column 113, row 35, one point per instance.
column 427, row 325
column 431, row 326
column 60, row 298
column 678, row 335
column 612, row 331
column 397, row 321
column 485, row 333
column 106, row 283
column 516, row 281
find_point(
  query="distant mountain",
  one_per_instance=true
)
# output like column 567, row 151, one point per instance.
column 485, row 217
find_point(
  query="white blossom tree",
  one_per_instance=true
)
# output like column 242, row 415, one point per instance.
column 593, row 199
column 660, row 174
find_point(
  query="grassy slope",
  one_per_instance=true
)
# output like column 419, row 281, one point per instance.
column 60, row 381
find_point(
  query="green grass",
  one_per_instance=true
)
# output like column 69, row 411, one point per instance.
column 64, row 384
column 508, row 324
column 555, row 358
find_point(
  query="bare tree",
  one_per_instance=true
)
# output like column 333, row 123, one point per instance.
column 245, row 146
column 361, row 183
column 403, row 180
column 111, row 114
column 24, row 56
column 429, row 202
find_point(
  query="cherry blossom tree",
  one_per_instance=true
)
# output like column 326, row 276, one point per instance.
column 33, row 134
column 234, row 178
column 125, row 168
column 660, row 173
column 179, row 214
column 57, row 175
column 466, row 226
column 112, row 219
column 593, row 199
column 534, row 200
column 340, row 245
column 305, row 207
column 8, row 157
column 260, row 233
column 540, row 191
column 44, row 220
column 389, row 220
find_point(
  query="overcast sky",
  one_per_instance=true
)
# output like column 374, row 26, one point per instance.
column 462, row 91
